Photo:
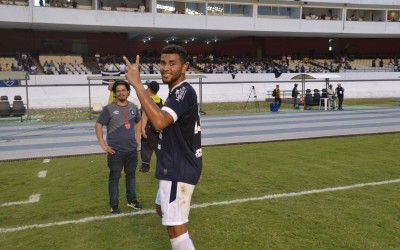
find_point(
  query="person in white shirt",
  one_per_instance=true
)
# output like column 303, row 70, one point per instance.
column 331, row 97
column 110, row 67
column 122, row 68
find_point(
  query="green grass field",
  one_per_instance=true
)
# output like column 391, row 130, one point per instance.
column 74, row 194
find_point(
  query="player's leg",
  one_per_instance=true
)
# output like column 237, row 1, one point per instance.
column 130, row 165
column 115, row 165
column 174, row 199
column 145, row 153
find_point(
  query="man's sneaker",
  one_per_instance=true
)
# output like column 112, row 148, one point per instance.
column 115, row 210
column 135, row 204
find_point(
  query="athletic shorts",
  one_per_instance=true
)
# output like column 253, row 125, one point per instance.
column 174, row 199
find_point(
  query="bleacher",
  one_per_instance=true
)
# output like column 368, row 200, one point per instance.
column 7, row 60
column 63, row 64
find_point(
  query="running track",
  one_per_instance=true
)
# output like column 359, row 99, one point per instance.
column 33, row 140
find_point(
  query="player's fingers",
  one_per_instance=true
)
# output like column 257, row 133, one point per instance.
column 137, row 60
column 126, row 61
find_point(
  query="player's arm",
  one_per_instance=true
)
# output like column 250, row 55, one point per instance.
column 138, row 130
column 144, row 123
column 160, row 119
column 99, row 133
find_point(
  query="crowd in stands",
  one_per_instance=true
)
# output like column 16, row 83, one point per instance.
column 21, row 62
column 287, row 64
column 209, row 64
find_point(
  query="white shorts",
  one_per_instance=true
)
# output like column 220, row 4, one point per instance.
column 174, row 199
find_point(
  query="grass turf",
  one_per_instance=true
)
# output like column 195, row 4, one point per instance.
column 361, row 218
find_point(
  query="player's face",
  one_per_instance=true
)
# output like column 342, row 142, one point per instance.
column 121, row 93
column 172, row 69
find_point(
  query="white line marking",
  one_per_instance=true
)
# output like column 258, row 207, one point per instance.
column 32, row 199
column 42, row 174
column 148, row 211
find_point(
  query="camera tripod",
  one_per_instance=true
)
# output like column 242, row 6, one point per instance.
column 256, row 103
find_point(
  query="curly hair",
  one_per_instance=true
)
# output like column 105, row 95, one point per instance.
column 175, row 49
column 121, row 82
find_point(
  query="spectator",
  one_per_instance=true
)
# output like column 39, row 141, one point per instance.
column 331, row 96
column 97, row 57
column 121, row 119
column 49, row 71
column 233, row 72
column 277, row 95
column 33, row 70
column 122, row 68
column 110, row 67
column 340, row 95
column 149, row 133
column 295, row 93
column 6, row 67
column 74, row 4
column 151, row 68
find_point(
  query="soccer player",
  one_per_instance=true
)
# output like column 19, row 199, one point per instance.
column 179, row 160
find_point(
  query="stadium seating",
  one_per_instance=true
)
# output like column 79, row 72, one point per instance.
column 73, row 64
column 5, row 108
column 18, row 108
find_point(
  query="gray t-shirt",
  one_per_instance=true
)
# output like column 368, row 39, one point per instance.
column 120, row 136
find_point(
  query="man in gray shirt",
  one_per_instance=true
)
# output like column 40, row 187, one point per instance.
column 121, row 118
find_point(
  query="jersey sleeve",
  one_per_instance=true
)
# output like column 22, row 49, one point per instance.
column 180, row 100
column 104, row 117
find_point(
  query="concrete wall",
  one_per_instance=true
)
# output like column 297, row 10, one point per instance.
column 216, row 88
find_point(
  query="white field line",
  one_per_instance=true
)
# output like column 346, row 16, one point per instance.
column 42, row 174
column 32, row 199
column 151, row 211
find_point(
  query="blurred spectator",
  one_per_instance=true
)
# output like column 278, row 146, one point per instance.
column 151, row 68
column 6, row 67
column 33, row 70
column 122, row 68
column 97, row 56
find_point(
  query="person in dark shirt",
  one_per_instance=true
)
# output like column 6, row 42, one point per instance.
column 150, row 135
column 179, row 157
column 340, row 95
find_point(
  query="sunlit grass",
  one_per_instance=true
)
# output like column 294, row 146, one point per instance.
column 361, row 218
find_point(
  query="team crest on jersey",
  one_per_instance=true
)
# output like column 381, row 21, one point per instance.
column 180, row 94
column 132, row 112
column 198, row 153
column 116, row 112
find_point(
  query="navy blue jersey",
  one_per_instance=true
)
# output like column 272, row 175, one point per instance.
column 119, row 137
column 179, row 155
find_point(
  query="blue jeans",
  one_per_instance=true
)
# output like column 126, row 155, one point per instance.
column 117, row 162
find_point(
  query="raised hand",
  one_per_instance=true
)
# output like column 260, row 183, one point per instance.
column 132, row 72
